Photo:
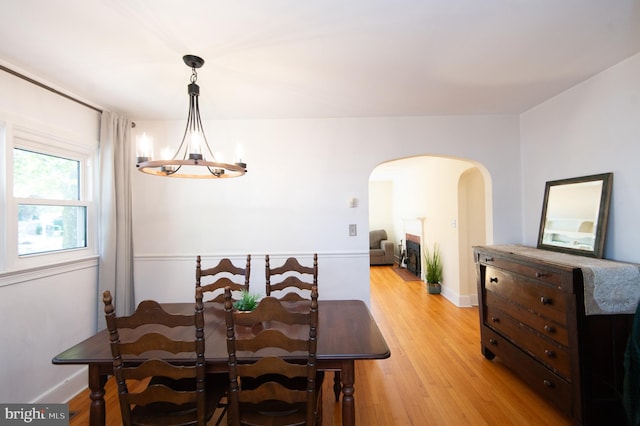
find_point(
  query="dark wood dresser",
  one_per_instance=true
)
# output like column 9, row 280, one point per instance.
column 532, row 318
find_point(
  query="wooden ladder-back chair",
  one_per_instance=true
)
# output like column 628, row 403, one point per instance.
column 177, row 392
column 224, row 274
column 273, row 377
column 293, row 276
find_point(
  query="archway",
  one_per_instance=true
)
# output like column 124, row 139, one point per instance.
column 440, row 199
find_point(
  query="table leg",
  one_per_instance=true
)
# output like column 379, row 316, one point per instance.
column 96, row 386
column 348, row 405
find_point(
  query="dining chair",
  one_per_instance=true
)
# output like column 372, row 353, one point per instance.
column 177, row 392
column 294, row 280
column 273, row 377
column 224, row 274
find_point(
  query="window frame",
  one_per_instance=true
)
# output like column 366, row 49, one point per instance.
column 48, row 143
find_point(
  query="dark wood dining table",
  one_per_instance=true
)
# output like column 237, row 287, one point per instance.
column 346, row 333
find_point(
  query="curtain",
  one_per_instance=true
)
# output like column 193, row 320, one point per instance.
column 115, row 238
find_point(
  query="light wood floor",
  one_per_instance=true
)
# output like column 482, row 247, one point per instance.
column 435, row 376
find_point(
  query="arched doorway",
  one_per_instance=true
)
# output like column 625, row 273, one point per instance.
column 440, row 199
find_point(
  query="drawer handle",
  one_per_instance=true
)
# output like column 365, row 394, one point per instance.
column 549, row 353
column 541, row 274
column 549, row 384
column 546, row 300
column 493, row 279
column 549, row 328
column 493, row 342
column 488, row 259
column 495, row 319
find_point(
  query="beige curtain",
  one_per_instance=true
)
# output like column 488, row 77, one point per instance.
column 115, row 239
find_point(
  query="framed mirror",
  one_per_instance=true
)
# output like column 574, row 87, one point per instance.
column 574, row 215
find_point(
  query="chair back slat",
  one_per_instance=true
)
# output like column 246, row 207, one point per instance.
column 272, row 391
column 268, row 365
column 159, row 367
column 272, row 339
column 154, row 341
column 154, row 393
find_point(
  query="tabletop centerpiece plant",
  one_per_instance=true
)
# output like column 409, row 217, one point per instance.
column 247, row 302
column 433, row 268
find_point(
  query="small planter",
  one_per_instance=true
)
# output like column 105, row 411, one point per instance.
column 434, row 288
column 433, row 265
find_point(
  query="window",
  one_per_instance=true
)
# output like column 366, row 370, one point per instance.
column 47, row 190
column 49, row 213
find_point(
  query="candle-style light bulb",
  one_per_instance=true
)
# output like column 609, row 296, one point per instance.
column 240, row 156
column 144, row 148
column 195, row 146
column 165, row 155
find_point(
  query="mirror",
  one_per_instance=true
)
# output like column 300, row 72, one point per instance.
column 574, row 215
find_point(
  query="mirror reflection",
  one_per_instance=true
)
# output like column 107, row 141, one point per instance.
column 575, row 214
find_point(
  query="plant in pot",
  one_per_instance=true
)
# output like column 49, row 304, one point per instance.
column 247, row 301
column 433, row 268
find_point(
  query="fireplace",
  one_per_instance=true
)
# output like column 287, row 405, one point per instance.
column 413, row 254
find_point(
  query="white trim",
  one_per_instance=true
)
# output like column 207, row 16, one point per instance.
column 65, row 391
column 150, row 257
column 24, row 275
column 41, row 140
column 458, row 300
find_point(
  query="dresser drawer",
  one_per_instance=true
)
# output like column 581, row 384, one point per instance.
column 548, row 352
column 544, row 326
column 542, row 274
column 546, row 300
column 542, row 380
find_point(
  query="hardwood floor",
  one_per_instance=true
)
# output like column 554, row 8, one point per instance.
column 435, row 376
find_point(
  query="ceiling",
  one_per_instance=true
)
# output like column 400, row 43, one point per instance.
column 317, row 58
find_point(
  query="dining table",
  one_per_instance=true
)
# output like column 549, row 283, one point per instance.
column 347, row 332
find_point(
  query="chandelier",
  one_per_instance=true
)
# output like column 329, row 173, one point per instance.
column 194, row 158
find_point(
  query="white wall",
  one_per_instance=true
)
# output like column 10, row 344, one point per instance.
column 294, row 199
column 472, row 229
column 43, row 311
column 381, row 207
column 592, row 128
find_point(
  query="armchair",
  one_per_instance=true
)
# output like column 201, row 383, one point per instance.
column 380, row 248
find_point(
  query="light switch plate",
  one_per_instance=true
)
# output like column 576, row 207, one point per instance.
column 353, row 230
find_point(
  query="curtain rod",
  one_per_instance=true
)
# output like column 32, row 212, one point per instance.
column 51, row 89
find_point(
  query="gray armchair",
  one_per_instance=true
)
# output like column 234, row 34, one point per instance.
column 380, row 249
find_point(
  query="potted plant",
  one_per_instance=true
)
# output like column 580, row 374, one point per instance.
column 433, row 268
column 247, row 301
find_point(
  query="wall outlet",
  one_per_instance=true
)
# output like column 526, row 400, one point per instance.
column 353, row 230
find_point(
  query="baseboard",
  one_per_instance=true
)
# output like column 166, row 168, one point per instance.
column 459, row 300
column 66, row 390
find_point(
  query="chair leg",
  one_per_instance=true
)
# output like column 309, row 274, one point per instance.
column 337, row 385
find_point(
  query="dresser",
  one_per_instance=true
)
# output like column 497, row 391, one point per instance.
column 535, row 319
